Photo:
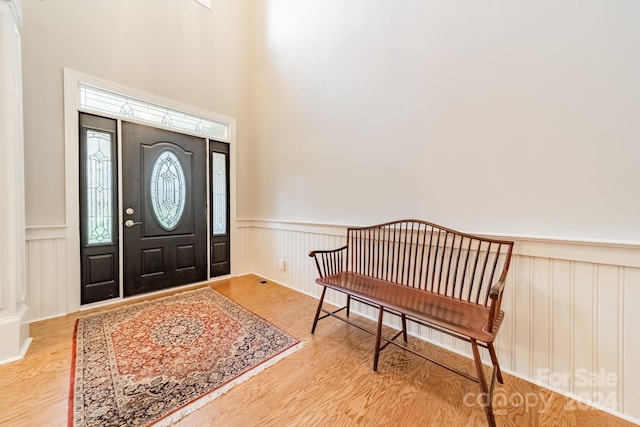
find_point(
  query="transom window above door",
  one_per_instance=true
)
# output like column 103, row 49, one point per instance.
column 116, row 105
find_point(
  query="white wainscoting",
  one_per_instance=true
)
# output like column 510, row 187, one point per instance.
column 571, row 316
column 46, row 265
column 571, row 307
column 50, row 286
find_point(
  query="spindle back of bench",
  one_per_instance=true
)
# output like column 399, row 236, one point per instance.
column 429, row 257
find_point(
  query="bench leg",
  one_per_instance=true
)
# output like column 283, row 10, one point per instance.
column 348, row 305
column 376, row 355
column 404, row 328
column 484, row 388
column 315, row 320
column 494, row 360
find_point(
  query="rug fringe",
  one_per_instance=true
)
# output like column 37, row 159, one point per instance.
column 176, row 416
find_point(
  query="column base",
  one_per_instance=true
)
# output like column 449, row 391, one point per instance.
column 14, row 336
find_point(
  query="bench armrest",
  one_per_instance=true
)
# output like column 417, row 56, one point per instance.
column 329, row 262
column 496, row 289
column 495, row 293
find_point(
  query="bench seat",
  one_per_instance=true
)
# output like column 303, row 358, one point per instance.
column 458, row 316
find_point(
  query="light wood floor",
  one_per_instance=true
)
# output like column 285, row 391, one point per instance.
column 327, row 383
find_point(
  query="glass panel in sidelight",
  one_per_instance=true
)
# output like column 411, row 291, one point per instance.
column 219, row 192
column 99, row 188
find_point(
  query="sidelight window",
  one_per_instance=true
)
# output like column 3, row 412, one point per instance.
column 99, row 267
column 220, row 209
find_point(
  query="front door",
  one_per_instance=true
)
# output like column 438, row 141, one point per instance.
column 164, row 211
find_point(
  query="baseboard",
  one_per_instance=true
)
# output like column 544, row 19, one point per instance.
column 14, row 335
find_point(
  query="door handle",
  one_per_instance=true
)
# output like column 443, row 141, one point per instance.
column 130, row 223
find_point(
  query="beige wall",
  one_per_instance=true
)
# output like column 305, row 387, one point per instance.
column 508, row 117
column 515, row 118
column 176, row 49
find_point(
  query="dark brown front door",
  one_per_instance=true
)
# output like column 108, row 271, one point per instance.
column 163, row 203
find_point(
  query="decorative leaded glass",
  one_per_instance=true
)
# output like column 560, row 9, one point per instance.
column 126, row 110
column 167, row 120
column 99, row 186
column 168, row 190
column 104, row 101
column 219, row 192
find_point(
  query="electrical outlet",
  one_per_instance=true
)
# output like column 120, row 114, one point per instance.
column 282, row 263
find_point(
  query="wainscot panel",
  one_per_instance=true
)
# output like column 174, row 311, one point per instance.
column 568, row 312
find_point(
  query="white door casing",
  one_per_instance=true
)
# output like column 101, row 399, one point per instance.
column 72, row 82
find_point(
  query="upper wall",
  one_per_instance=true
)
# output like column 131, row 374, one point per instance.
column 508, row 117
column 176, row 49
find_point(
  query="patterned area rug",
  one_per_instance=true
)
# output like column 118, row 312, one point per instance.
column 154, row 362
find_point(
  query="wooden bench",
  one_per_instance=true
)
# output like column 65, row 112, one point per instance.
column 426, row 274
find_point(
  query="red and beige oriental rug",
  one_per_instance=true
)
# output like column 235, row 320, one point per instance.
column 154, row 362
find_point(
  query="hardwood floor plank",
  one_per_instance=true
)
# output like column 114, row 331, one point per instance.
column 328, row 382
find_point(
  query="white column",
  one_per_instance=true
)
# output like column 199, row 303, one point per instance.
column 14, row 329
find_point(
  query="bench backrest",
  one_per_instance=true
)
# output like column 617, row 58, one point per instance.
column 429, row 257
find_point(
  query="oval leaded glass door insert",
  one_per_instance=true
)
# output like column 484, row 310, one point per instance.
column 167, row 189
